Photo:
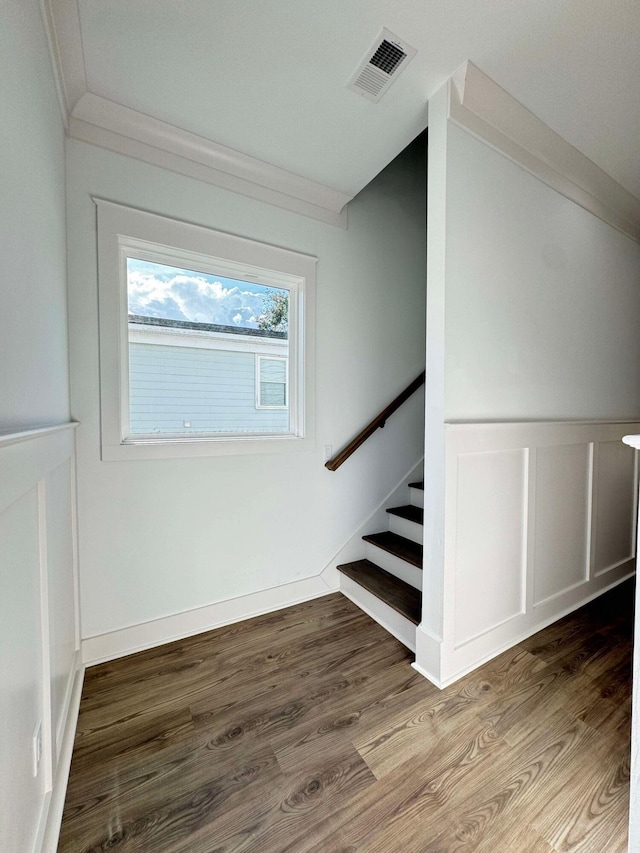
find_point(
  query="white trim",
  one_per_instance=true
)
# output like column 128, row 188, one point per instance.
column 428, row 675
column 157, row 236
column 428, row 660
column 62, row 22
column 447, row 659
column 258, row 374
column 529, row 632
column 397, row 625
column 26, row 460
column 73, row 475
column 146, row 635
column 412, row 530
column 55, row 59
column 168, row 336
column 353, row 548
column 45, row 770
column 99, row 121
column 102, row 113
column 26, row 435
column 32, row 456
column 396, row 566
column 49, row 830
column 481, row 107
column 124, row 131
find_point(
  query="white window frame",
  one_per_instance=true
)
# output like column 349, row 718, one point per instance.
column 258, row 372
column 128, row 232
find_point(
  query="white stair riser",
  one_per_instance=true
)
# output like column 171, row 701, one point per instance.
column 416, row 497
column 401, row 628
column 394, row 565
column 404, row 527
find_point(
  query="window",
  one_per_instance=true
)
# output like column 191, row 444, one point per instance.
column 271, row 385
column 206, row 340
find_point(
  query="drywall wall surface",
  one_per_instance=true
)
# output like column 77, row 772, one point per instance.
column 542, row 298
column 164, row 537
column 33, row 321
column 37, row 608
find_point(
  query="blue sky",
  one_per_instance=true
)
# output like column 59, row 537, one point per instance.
column 156, row 290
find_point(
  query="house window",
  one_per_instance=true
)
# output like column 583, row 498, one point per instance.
column 271, row 383
column 205, row 340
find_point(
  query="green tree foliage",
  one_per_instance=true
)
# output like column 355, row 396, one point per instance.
column 275, row 312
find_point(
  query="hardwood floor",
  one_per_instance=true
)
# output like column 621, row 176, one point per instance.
column 307, row 730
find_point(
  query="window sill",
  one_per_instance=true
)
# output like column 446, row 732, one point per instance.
column 182, row 448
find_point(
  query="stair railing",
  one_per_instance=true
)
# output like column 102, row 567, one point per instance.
column 377, row 423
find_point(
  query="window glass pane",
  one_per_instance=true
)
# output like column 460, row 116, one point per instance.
column 273, row 378
column 193, row 341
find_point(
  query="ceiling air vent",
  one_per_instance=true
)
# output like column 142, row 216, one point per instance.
column 383, row 62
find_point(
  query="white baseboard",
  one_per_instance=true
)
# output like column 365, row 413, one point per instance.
column 398, row 626
column 51, row 818
column 428, row 675
column 146, row 635
column 434, row 656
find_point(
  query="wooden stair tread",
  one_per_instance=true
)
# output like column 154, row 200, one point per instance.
column 403, row 598
column 419, row 485
column 410, row 512
column 399, row 546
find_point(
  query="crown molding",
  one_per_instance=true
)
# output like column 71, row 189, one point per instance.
column 481, row 107
column 99, row 121
column 102, row 122
column 62, row 24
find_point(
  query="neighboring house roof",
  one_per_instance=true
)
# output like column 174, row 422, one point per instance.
column 166, row 323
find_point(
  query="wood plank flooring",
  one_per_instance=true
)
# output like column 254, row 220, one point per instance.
column 307, row 730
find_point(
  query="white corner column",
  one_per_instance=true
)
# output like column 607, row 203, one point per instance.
column 634, row 799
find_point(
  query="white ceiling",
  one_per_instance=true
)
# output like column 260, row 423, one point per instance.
column 268, row 77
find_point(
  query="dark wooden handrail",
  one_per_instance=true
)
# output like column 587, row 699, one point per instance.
column 377, row 423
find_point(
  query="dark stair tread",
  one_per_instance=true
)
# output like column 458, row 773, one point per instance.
column 402, row 597
column 419, row 485
column 410, row 512
column 399, row 546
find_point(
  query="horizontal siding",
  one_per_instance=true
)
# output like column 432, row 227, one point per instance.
column 214, row 390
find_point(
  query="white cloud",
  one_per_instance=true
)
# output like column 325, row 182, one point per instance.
column 192, row 297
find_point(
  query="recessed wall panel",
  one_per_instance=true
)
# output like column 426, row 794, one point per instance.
column 21, row 674
column 561, row 541
column 614, row 516
column 61, row 587
column 489, row 545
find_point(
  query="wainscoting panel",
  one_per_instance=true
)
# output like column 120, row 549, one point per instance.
column 21, row 794
column 615, row 494
column 61, row 585
column 40, row 667
column 539, row 519
column 561, row 539
column 490, row 533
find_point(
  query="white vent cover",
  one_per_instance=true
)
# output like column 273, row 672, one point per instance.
column 388, row 56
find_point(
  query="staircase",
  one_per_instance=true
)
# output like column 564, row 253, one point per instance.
column 387, row 584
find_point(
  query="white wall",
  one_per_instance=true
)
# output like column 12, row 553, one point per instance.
column 533, row 310
column 161, row 538
column 37, row 606
column 33, row 321
column 542, row 298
